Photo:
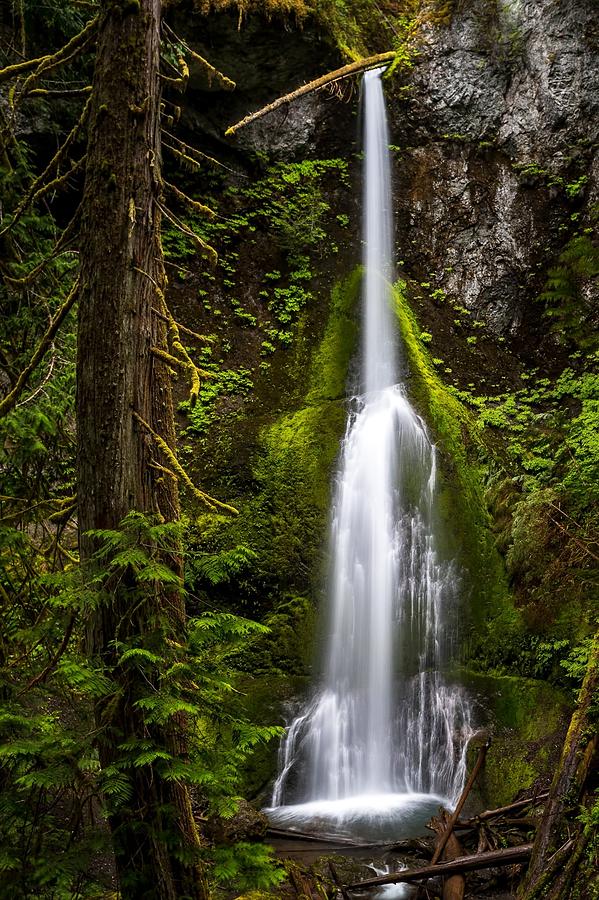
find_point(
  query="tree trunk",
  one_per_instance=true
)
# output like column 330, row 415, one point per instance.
column 122, row 279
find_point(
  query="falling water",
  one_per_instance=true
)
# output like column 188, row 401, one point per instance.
column 384, row 737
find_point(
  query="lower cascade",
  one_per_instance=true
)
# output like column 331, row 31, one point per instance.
column 383, row 739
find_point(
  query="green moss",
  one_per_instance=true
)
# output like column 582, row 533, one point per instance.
column 526, row 718
column 299, row 450
column 455, row 431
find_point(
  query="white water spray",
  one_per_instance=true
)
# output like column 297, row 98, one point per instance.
column 384, row 738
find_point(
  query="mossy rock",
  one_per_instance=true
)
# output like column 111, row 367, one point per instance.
column 463, row 505
column 526, row 720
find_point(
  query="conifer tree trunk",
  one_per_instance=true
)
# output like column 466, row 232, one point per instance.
column 122, row 280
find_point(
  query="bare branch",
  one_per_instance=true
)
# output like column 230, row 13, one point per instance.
column 43, row 63
column 8, row 402
column 345, row 72
column 212, row 74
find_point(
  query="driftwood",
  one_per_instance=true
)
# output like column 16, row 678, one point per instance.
column 345, row 72
column 505, row 857
column 444, row 838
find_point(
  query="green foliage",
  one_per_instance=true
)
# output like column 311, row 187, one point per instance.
column 563, row 297
column 224, row 382
column 246, row 866
column 49, row 770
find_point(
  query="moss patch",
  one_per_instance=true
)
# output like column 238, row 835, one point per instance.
column 455, row 431
column 526, row 719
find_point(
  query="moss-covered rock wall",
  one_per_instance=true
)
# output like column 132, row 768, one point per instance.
column 496, row 255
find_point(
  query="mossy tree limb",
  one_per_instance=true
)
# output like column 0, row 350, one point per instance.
column 354, row 68
column 42, row 63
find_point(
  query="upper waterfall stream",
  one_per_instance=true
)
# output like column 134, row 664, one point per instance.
column 383, row 740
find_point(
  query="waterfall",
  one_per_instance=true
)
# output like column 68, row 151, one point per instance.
column 384, row 734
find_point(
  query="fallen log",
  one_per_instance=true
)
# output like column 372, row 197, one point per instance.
column 443, row 839
column 344, row 72
column 291, row 834
column 492, row 858
column 501, row 811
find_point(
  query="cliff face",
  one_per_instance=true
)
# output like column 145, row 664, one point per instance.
column 502, row 120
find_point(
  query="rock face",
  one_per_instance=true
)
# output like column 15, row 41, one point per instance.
column 522, row 73
column 499, row 129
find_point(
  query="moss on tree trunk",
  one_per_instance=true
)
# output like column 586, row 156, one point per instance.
column 122, row 279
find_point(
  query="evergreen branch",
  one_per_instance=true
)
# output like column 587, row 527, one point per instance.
column 213, row 74
column 8, row 402
column 45, row 381
column 38, row 183
column 42, row 63
column 344, row 72
column 204, row 498
column 194, row 205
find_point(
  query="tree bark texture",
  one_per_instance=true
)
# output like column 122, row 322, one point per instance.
column 121, row 281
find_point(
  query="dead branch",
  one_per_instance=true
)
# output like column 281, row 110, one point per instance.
column 444, row 838
column 204, row 248
column 345, row 72
column 577, row 760
column 501, row 811
column 212, row 74
column 8, row 402
column 42, row 63
column 193, row 205
column 37, row 187
column 454, row 886
column 505, row 857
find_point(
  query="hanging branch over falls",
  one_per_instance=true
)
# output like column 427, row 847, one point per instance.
column 345, row 72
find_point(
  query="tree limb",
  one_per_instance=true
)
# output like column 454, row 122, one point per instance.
column 51, row 60
column 345, row 72
column 8, row 402
column 212, row 74
column 211, row 502
column 487, row 860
